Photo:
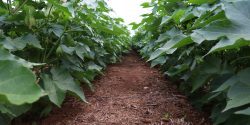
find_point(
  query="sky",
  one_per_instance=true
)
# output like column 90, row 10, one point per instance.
column 129, row 10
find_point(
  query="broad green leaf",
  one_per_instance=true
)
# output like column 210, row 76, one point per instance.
column 224, row 44
column 60, row 7
column 207, row 18
column 165, row 19
column 13, row 44
column 5, row 55
column 178, row 15
column 58, row 30
column 189, row 14
column 65, row 82
column 56, row 95
column 175, row 70
column 66, row 49
column 32, row 40
column 244, row 75
column 167, row 35
column 18, row 84
column 244, row 111
column 159, row 52
column 239, row 94
column 13, row 110
column 227, row 84
column 183, row 42
column 93, row 66
column 206, row 71
column 238, row 12
column 20, row 43
column 197, row 37
column 237, row 28
column 199, row 81
column 160, row 60
column 177, row 40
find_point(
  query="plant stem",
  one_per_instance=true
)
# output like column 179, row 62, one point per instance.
column 19, row 7
column 55, row 46
column 9, row 6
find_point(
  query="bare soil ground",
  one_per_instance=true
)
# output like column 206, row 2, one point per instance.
column 130, row 93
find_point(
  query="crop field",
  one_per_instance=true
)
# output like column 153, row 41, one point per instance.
column 69, row 62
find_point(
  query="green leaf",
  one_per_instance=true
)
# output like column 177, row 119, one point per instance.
column 18, row 84
column 145, row 5
column 60, row 7
column 237, row 28
column 244, row 75
column 58, row 30
column 13, row 44
column 244, row 111
column 199, row 2
column 160, row 60
column 93, row 66
column 13, row 110
column 32, row 40
column 56, row 95
column 224, row 44
column 239, row 94
column 165, row 19
column 5, row 55
column 20, row 43
column 178, row 39
column 200, row 81
column 159, row 52
column 178, row 15
column 65, row 82
column 227, row 84
column 175, row 70
column 206, row 71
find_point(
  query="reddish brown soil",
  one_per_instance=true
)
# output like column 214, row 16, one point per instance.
column 130, row 93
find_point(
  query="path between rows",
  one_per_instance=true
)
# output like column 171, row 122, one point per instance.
column 129, row 93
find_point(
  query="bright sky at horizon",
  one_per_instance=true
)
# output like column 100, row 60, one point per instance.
column 129, row 10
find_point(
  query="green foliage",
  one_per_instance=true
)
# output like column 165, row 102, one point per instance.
column 205, row 44
column 49, row 47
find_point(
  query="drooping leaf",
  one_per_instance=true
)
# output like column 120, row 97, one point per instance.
column 56, row 95
column 235, row 29
column 5, row 55
column 224, row 44
column 18, row 84
column 32, row 40
column 13, row 110
column 244, row 111
column 65, row 82
column 60, row 7
column 160, row 60
column 57, row 30
column 239, row 94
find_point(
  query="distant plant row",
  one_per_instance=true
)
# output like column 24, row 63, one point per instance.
column 204, row 45
column 49, row 47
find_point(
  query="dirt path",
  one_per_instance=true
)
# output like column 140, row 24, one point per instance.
column 130, row 93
